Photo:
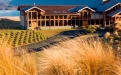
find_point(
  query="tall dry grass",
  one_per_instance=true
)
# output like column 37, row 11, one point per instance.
column 12, row 64
column 79, row 57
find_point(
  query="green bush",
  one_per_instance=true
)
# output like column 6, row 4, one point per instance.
column 91, row 29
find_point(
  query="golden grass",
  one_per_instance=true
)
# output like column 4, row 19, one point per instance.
column 79, row 57
column 15, row 64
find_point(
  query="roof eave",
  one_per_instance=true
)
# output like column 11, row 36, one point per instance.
column 111, row 7
column 35, row 7
column 86, row 7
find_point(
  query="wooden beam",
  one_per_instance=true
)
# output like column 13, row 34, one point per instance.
column 104, row 20
column 58, row 20
column 45, row 21
column 54, row 20
column 99, row 19
column 40, row 22
column 49, row 22
column 27, row 19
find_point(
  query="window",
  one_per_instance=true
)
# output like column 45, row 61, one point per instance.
column 43, row 17
column 85, row 14
column 29, row 15
column 30, row 24
column 34, row 15
column 60, row 17
column 47, row 17
column 38, row 23
column 52, row 17
column 56, row 17
column 65, row 17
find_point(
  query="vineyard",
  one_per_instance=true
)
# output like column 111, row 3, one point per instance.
column 20, row 38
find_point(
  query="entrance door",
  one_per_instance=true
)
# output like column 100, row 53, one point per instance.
column 34, row 24
column 85, row 22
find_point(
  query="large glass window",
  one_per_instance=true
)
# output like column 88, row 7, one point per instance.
column 43, row 17
column 85, row 14
column 29, row 15
column 30, row 24
column 34, row 15
column 47, row 17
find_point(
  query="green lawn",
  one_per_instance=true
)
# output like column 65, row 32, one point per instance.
column 53, row 32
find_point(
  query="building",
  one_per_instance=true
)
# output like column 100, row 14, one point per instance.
column 106, row 13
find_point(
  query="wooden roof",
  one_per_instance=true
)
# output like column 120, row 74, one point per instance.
column 51, row 9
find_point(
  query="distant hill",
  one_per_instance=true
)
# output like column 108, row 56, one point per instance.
column 5, row 1
column 6, row 6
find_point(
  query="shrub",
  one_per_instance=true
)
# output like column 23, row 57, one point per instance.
column 91, row 29
column 107, row 35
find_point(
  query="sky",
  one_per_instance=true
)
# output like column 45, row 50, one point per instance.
column 56, row 2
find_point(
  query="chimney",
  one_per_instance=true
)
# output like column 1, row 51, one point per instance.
column 104, row 1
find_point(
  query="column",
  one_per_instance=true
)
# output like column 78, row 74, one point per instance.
column 54, row 20
column 49, row 21
column 67, row 18
column 31, row 19
column 40, row 22
column 71, row 21
column 37, row 19
column 104, row 20
column 63, row 20
column 45, row 20
column 27, row 19
column 79, row 21
column 99, row 19
column 95, row 19
column 75, row 20
column 109, row 21
column 58, row 21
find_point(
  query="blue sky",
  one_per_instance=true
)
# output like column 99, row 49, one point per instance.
column 56, row 2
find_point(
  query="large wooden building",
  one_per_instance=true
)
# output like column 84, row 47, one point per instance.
column 74, row 16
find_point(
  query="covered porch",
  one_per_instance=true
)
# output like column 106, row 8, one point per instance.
column 115, row 17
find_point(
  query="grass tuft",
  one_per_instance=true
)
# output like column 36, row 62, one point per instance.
column 79, row 57
column 12, row 64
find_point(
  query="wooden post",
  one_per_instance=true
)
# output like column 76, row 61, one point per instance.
column 27, row 18
column 95, row 19
column 31, row 19
column 54, row 20
column 63, row 20
column 90, row 17
column 75, row 20
column 40, row 22
column 49, row 22
column 104, row 20
column 71, row 21
column 79, row 20
column 67, row 18
column 58, row 21
column 45, row 20
column 37, row 18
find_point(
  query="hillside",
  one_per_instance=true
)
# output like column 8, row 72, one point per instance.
column 5, row 1
column 5, row 6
